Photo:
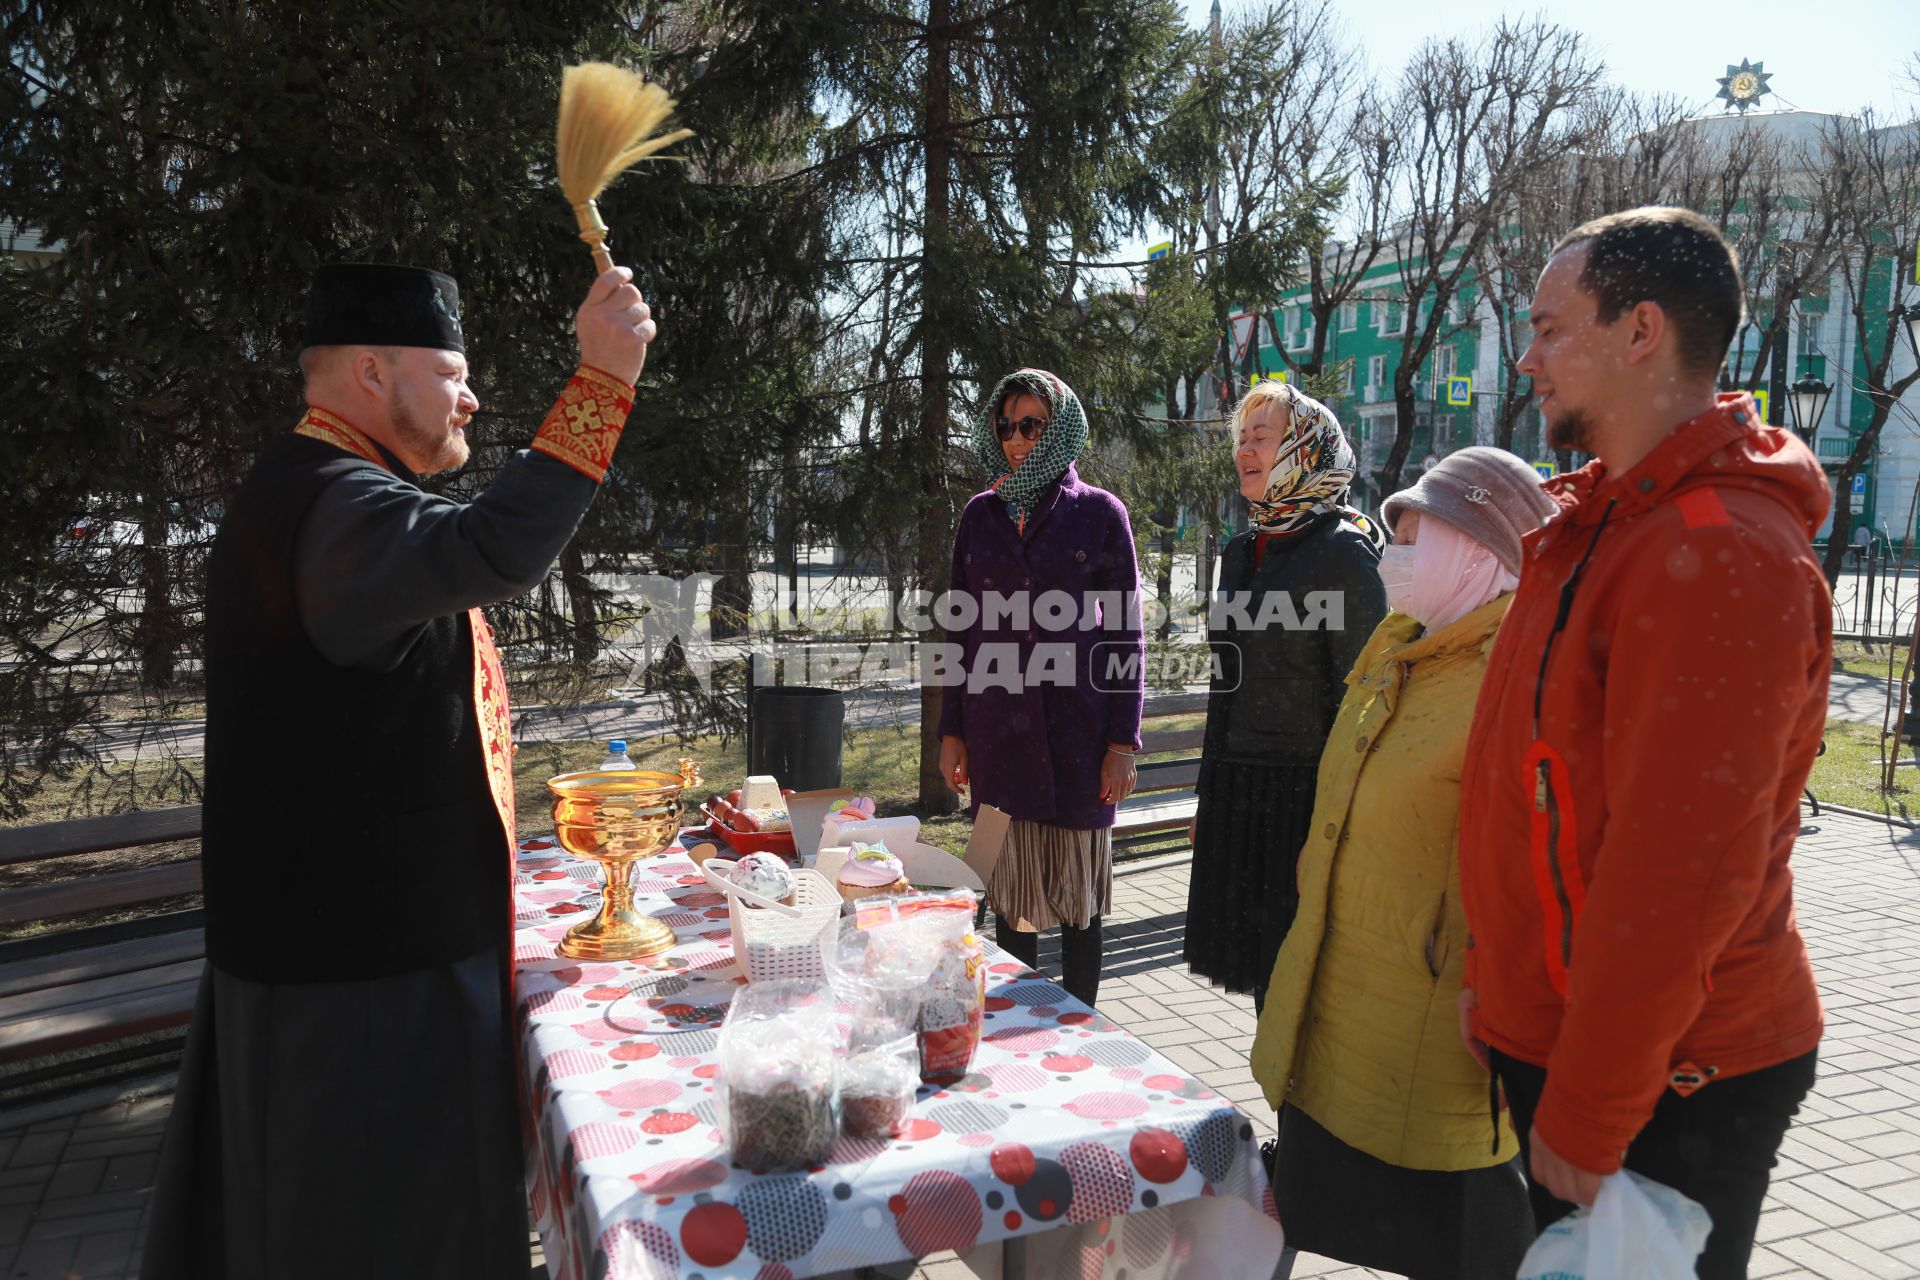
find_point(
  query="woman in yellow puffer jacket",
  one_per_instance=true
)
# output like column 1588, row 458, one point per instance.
column 1391, row 1153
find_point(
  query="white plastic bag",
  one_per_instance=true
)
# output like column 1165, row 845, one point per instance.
column 1638, row 1229
column 777, row 1055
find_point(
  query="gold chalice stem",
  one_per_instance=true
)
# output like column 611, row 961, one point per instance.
column 617, row 931
column 616, row 904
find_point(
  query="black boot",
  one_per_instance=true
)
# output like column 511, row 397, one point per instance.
column 1080, row 961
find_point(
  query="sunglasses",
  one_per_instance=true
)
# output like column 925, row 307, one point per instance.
column 1029, row 428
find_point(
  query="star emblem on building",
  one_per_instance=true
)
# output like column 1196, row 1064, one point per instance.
column 1744, row 85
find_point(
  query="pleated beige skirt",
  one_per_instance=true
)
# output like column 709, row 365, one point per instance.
column 1049, row 876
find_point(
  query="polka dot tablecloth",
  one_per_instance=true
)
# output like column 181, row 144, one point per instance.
column 1066, row 1131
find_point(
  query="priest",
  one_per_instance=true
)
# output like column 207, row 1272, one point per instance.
column 346, row 1103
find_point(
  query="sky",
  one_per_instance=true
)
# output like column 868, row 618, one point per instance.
column 1824, row 55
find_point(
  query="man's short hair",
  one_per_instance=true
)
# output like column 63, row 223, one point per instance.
column 313, row 360
column 1671, row 257
column 317, row 360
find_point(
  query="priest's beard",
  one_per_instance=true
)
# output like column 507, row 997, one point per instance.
column 438, row 447
column 1571, row 430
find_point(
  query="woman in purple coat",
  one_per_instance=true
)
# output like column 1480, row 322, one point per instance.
column 1042, row 717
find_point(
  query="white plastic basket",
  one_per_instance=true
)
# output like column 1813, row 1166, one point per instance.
column 775, row 941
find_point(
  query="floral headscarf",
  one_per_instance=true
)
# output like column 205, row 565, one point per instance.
column 1313, row 472
column 1052, row 454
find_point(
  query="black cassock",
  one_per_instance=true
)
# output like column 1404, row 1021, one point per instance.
column 334, row 1129
column 365, row 1128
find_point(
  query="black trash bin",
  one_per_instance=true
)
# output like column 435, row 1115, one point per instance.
column 794, row 733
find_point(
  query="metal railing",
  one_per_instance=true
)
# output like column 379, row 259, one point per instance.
column 1874, row 598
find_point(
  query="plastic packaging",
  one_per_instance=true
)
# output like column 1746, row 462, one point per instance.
column 617, row 756
column 1637, row 1227
column 880, row 1073
column 877, row 1088
column 915, row 960
column 765, row 874
column 776, row 1080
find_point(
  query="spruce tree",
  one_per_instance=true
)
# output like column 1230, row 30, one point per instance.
column 192, row 162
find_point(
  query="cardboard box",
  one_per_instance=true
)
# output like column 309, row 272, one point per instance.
column 924, row 865
column 807, row 812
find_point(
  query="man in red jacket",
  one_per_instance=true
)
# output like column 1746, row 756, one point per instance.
column 1650, row 713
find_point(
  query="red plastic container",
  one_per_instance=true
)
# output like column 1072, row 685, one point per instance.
column 780, row 842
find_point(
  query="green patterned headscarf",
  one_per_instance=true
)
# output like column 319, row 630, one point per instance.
column 1052, row 453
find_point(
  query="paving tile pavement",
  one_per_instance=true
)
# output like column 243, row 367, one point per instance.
column 73, row 1191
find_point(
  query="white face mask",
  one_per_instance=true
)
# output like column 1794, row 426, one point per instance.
column 1443, row 577
column 1396, row 574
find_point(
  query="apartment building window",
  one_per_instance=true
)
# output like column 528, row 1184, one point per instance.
column 1376, row 377
column 1813, row 356
column 1299, row 329
column 1346, row 377
column 1445, row 361
column 1349, row 316
column 1377, row 433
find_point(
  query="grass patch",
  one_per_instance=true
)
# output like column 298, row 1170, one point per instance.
column 1849, row 773
column 1864, row 660
column 154, row 781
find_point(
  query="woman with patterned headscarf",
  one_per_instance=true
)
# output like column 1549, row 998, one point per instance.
column 1042, row 722
column 1299, row 593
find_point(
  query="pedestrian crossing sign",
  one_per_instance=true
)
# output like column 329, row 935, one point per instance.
column 1159, row 251
column 1279, row 375
column 1547, row 470
column 1460, row 391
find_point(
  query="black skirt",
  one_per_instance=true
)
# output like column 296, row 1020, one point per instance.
column 1341, row 1203
column 1241, row 898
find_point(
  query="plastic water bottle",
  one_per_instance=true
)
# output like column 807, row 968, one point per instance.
column 617, row 756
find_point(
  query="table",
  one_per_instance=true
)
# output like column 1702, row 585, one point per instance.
column 1068, row 1134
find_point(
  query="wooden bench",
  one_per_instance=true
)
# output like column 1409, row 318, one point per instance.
column 75, row 989
column 1163, row 800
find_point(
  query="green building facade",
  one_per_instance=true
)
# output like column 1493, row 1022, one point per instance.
column 1822, row 339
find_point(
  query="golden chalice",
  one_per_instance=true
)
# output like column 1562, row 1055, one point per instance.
column 616, row 817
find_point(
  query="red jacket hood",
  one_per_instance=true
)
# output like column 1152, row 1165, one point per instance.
column 1728, row 446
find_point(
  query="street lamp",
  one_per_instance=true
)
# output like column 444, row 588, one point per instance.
column 1807, row 400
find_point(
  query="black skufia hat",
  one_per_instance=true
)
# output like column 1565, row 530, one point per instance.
column 369, row 304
